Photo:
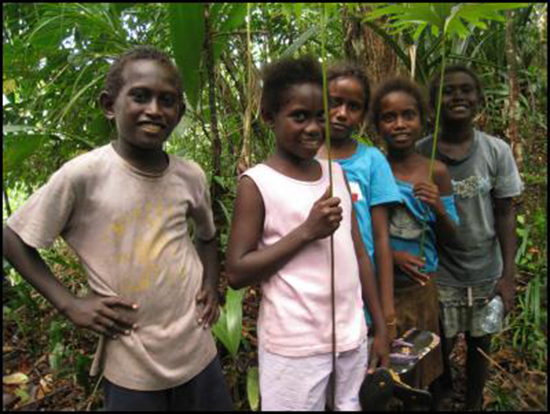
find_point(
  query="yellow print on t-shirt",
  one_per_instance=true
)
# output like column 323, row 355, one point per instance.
column 143, row 243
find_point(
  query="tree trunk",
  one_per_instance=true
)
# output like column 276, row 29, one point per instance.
column 513, row 100
column 244, row 158
column 368, row 50
column 216, row 189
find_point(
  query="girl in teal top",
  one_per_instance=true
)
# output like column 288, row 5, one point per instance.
column 399, row 112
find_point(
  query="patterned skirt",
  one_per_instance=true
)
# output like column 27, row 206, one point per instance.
column 417, row 306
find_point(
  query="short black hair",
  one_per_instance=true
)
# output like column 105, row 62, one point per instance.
column 347, row 69
column 399, row 84
column 282, row 74
column 434, row 83
column 114, row 81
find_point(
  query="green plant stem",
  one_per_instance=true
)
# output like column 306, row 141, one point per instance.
column 434, row 143
column 325, row 98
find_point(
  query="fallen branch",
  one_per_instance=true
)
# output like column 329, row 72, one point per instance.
column 90, row 399
column 514, row 381
column 524, row 404
column 29, row 404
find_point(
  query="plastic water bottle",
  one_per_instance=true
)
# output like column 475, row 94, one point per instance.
column 494, row 313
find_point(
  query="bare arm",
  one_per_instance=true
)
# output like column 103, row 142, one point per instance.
column 505, row 223
column 370, row 296
column 245, row 264
column 92, row 312
column 384, row 264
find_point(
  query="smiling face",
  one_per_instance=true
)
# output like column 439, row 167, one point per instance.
column 299, row 124
column 347, row 108
column 147, row 108
column 460, row 97
column 399, row 122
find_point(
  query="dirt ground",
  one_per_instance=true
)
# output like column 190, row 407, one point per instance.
column 42, row 390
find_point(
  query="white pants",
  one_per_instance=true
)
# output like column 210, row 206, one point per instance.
column 302, row 383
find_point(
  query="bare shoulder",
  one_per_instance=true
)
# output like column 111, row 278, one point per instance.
column 247, row 186
column 442, row 178
column 249, row 204
column 247, row 223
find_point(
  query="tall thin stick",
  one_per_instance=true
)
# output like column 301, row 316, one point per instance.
column 327, row 145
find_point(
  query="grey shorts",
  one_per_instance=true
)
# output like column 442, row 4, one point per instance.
column 462, row 308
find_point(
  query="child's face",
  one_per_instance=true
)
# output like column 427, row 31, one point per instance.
column 460, row 97
column 399, row 122
column 299, row 123
column 347, row 108
column 147, row 108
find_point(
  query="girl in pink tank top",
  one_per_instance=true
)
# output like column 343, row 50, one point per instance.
column 282, row 221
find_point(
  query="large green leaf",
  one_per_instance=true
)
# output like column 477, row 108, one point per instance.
column 253, row 388
column 17, row 148
column 228, row 329
column 48, row 33
column 442, row 17
column 304, row 37
column 473, row 13
column 187, row 35
column 76, row 96
column 409, row 13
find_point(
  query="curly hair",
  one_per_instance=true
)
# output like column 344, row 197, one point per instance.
column 280, row 75
column 434, row 83
column 349, row 70
column 114, row 81
column 399, row 84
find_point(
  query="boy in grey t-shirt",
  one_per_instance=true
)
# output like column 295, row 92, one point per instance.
column 124, row 209
column 485, row 179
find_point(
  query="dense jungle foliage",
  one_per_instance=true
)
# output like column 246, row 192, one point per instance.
column 56, row 55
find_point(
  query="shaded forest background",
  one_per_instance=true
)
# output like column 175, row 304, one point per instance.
column 55, row 57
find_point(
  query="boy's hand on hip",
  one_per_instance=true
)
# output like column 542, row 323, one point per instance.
column 100, row 314
column 207, row 306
